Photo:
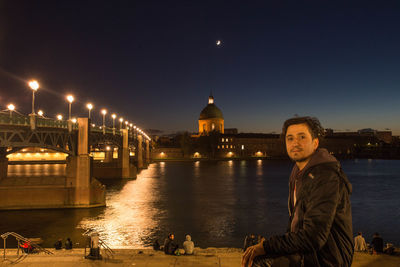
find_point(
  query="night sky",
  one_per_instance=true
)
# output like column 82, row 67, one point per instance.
column 155, row 63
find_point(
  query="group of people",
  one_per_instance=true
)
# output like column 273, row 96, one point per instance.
column 375, row 247
column 171, row 248
column 58, row 244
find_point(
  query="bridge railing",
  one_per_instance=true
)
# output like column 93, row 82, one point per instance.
column 15, row 119
column 22, row 120
column 47, row 122
column 108, row 130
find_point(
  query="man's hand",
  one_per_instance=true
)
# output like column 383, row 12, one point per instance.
column 251, row 253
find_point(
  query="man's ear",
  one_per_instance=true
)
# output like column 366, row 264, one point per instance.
column 315, row 143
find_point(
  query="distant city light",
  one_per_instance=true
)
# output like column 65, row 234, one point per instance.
column 218, row 43
column 74, row 120
column 59, row 117
column 104, row 111
column 40, row 113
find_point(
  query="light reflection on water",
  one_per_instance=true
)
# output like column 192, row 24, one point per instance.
column 36, row 170
column 128, row 220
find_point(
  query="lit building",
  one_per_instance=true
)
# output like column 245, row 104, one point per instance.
column 211, row 118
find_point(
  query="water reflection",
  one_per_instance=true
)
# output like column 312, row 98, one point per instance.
column 129, row 218
column 36, row 170
column 259, row 168
column 196, row 169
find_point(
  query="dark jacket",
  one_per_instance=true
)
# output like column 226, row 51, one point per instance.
column 320, row 223
column 377, row 244
column 169, row 246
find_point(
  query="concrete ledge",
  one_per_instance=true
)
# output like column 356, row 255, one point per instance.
column 221, row 257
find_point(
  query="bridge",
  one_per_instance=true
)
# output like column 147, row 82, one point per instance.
column 78, row 139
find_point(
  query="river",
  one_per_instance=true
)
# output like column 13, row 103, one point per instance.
column 217, row 203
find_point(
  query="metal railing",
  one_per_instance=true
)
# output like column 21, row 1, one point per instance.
column 24, row 239
column 108, row 251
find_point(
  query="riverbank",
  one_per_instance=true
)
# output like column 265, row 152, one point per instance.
column 221, row 257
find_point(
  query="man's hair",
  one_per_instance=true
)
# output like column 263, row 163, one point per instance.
column 316, row 130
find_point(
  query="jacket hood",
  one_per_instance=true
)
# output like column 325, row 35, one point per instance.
column 321, row 156
column 188, row 238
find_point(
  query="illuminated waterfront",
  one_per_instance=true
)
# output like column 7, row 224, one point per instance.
column 216, row 202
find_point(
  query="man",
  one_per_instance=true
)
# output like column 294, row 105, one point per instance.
column 169, row 246
column 249, row 241
column 320, row 227
column 188, row 245
column 359, row 243
column 377, row 244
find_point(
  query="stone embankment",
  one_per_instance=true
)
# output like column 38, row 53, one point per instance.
column 221, row 257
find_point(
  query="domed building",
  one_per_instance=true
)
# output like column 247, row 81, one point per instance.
column 211, row 118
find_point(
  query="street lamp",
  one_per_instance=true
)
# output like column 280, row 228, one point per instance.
column 120, row 123
column 126, row 124
column 11, row 108
column 40, row 113
column 104, row 112
column 89, row 106
column 70, row 99
column 113, row 117
column 34, row 85
column 59, row 117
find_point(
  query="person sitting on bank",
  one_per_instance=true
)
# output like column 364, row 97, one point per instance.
column 58, row 244
column 188, row 245
column 377, row 244
column 26, row 247
column 359, row 243
column 68, row 244
column 169, row 246
column 249, row 241
column 156, row 245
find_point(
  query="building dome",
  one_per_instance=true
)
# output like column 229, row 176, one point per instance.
column 211, row 111
column 211, row 118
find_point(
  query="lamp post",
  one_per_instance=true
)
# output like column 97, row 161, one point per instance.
column 89, row 106
column 126, row 124
column 11, row 108
column 40, row 113
column 120, row 123
column 70, row 99
column 113, row 116
column 104, row 112
column 34, row 85
column 59, row 117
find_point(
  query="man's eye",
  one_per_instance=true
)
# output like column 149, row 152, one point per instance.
column 302, row 137
column 289, row 138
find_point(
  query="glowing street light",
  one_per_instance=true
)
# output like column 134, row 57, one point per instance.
column 73, row 120
column 89, row 106
column 104, row 112
column 34, row 85
column 126, row 124
column 11, row 108
column 120, row 123
column 59, row 117
column 113, row 117
column 40, row 113
column 70, row 99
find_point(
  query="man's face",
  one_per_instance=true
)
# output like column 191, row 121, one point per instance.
column 299, row 143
